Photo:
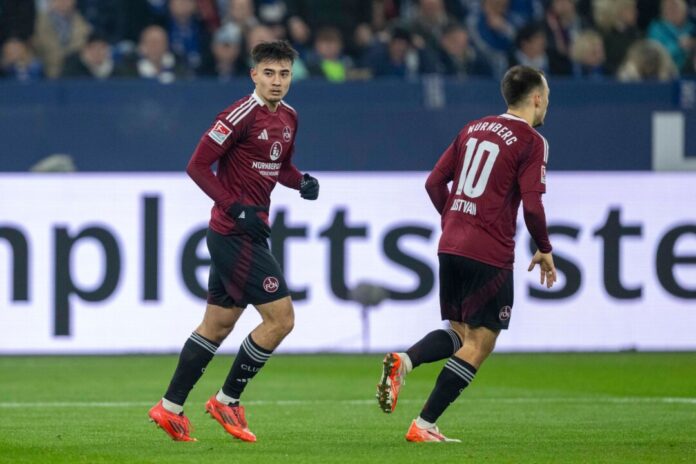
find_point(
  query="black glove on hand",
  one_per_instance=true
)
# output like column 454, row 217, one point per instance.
column 249, row 222
column 309, row 188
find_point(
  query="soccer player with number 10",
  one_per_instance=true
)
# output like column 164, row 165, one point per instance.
column 494, row 163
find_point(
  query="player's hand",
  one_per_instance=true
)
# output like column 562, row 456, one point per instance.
column 546, row 266
column 309, row 187
column 247, row 219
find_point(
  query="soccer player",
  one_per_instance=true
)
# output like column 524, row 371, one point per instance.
column 252, row 142
column 494, row 163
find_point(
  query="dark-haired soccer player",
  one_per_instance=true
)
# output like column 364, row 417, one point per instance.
column 252, row 142
column 494, row 163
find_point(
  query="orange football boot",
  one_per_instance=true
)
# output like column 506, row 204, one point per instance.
column 416, row 434
column 176, row 426
column 231, row 418
column 390, row 384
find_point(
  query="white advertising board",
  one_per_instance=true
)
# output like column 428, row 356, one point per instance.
column 94, row 263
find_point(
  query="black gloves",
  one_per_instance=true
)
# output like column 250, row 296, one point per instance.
column 249, row 222
column 309, row 188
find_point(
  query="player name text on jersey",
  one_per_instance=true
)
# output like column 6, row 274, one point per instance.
column 497, row 128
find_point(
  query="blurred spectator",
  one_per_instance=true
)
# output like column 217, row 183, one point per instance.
column 18, row 62
column 647, row 60
column 17, row 18
column 309, row 15
column 272, row 11
column 188, row 37
column 493, row 32
column 563, row 24
column 227, row 62
column 106, row 17
column 209, row 15
column 673, row 30
column 93, row 61
column 524, row 12
column 588, row 55
column 399, row 57
column 458, row 58
column 60, row 31
column 327, row 59
column 430, row 20
column 154, row 60
column 261, row 33
column 530, row 48
column 617, row 23
column 241, row 13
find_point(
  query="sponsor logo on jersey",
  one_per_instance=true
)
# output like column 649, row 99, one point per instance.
column 276, row 150
column 270, row 284
column 263, row 135
column 219, row 132
column 287, row 134
column 504, row 313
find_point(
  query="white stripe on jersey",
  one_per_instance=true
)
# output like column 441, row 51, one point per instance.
column 546, row 148
column 242, row 109
column 289, row 107
column 244, row 113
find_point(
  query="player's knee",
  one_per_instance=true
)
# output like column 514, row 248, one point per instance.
column 286, row 324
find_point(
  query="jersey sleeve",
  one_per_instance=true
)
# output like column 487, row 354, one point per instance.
column 440, row 176
column 289, row 175
column 532, row 172
column 225, row 131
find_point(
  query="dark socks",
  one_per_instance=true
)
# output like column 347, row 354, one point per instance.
column 194, row 357
column 437, row 345
column 454, row 377
column 250, row 359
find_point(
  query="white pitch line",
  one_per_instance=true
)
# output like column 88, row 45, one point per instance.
column 520, row 400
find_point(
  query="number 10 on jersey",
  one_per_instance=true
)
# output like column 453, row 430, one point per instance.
column 475, row 151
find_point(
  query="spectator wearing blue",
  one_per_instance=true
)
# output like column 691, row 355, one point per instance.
column 227, row 61
column 588, row 56
column 674, row 31
column 523, row 12
column 400, row 57
column 18, row 63
column 493, row 33
column 457, row 58
column 188, row 37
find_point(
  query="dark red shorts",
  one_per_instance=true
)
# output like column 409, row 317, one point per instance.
column 242, row 272
column 475, row 293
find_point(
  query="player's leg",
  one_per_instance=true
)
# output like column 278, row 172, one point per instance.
column 435, row 346
column 267, row 290
column 458, row 372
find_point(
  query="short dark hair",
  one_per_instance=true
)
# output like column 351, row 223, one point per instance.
column 518, row 82
column 279, row 50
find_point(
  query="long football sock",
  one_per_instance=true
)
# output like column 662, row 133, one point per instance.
column 249, row 361
column 194, row 357
column 454, row 377
column 437, row 345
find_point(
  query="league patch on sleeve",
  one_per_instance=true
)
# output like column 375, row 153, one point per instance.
column 219, row 132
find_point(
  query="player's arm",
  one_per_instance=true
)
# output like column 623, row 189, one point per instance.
column 532, row 181
column 291, row 177
column 440, row 176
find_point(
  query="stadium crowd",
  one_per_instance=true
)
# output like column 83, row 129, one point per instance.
column 338, row 40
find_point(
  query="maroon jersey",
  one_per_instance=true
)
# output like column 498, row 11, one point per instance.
column 493, row 162
column 253, row 147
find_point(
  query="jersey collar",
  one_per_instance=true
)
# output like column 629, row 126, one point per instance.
column 513, row 117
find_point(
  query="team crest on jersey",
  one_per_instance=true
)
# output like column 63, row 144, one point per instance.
column 219, row 133
column 270, row 284
column 276, row 150
column 543, row 175
column 287, row 133
column 504, row 313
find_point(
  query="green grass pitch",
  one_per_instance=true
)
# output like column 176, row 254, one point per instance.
column 522, row 408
